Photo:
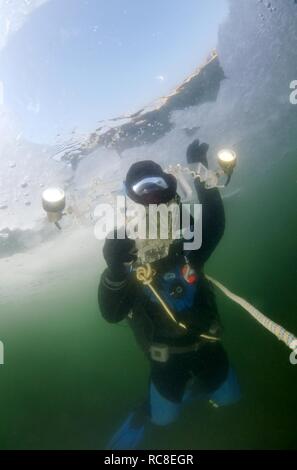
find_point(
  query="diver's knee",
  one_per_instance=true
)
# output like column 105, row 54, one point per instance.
column 229, row 391
column 163, row 411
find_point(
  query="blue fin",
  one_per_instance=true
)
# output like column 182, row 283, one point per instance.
column 130, row 433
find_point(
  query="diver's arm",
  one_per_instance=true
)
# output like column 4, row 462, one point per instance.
column 213, row 214
column 213, row 218
column 115, row 285
column 113, row 297
column 213, row 224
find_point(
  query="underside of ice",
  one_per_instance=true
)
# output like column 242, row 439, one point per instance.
column 240, row 99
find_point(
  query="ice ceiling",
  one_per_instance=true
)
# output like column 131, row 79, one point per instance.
column 241, row 96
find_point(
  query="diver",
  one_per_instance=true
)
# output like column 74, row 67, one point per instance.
column 185, row 363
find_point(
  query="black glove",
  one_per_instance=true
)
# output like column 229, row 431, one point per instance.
column 197, row 153
column 118, row 254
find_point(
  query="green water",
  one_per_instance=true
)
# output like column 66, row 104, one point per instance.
column 70, row 378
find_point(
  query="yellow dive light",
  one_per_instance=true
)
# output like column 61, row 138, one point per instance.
column 227, row 160
column 54, row 202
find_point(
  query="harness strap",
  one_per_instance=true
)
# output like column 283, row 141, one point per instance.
column 145, row 274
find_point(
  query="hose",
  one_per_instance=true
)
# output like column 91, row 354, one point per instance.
column 144, row 274
column 277, row 330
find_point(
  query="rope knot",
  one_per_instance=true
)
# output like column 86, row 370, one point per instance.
column 145, row 274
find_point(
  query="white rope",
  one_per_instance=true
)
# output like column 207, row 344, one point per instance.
column 277, row 330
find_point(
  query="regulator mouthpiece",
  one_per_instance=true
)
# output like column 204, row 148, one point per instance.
column 227, row 160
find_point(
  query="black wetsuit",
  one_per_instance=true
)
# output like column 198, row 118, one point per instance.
column 119, row 297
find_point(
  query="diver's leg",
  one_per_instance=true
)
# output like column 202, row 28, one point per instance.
column 158, row 410
column 166, row 388
column 228, row 393
column 162, row 411
column 215, row 379
column 167, row 385
column 193, row 392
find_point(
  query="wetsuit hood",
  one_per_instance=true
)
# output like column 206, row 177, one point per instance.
column 155, row 186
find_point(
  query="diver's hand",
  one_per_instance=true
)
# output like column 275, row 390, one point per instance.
column 197, row 153
column 119, row 254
